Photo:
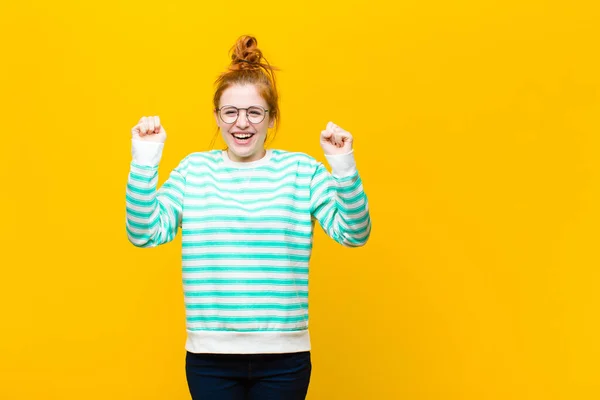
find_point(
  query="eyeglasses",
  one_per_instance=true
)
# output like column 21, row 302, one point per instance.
column 229, row 114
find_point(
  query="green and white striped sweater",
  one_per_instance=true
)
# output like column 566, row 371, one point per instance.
column 247, row 231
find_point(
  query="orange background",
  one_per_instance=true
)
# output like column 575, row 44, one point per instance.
column 476, row 131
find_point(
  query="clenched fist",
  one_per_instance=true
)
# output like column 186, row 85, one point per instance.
column 335, row 140
column 149, row 129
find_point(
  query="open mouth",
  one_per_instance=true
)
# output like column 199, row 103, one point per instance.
column 242, row 137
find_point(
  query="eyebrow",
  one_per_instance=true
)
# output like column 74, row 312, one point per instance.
column 253, row 105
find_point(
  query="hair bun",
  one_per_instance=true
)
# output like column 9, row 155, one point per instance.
column 245, row 54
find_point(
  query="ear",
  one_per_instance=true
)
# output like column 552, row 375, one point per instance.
column 271, row 122
column 216, row 117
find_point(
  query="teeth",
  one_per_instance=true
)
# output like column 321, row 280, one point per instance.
column 242, row 135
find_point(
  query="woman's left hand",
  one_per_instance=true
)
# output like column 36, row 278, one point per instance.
column 335, row 140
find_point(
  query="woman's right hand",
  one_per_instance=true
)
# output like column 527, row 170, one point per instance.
column 149, row 129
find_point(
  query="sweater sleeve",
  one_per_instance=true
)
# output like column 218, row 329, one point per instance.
column 152, row 216
column 338, row 201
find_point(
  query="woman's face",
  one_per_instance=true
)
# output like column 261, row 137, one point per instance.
column 245, row 139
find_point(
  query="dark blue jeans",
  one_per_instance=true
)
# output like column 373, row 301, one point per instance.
column 248, row 376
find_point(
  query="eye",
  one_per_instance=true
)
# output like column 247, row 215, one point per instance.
column 229, row 111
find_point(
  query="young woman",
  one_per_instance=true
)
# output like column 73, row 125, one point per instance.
column 247, row 216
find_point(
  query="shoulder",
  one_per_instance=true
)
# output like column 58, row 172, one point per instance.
column 200, row 159
column 203, row 157
column 295, row 157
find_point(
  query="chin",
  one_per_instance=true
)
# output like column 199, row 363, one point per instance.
column 240, row 152
column 243, row 153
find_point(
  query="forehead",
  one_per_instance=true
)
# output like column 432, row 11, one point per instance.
column 242, row 96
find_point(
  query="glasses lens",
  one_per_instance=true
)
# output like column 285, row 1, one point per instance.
column 229, row 114
column 256, row 115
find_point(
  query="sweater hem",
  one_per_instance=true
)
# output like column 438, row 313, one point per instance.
column 257, row 342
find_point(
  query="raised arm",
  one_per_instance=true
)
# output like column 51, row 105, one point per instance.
column 152, row 216
column 338, row 200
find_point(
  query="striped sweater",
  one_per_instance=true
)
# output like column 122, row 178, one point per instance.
column 247, row 235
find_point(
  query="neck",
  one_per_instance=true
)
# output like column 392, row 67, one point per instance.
column 252, row 157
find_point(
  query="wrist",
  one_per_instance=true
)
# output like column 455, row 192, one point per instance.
column 342, row 165
column 146, row 153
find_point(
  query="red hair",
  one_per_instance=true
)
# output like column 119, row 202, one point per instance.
column 249, row 67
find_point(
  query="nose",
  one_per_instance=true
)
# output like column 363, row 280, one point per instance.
column 242, row 120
